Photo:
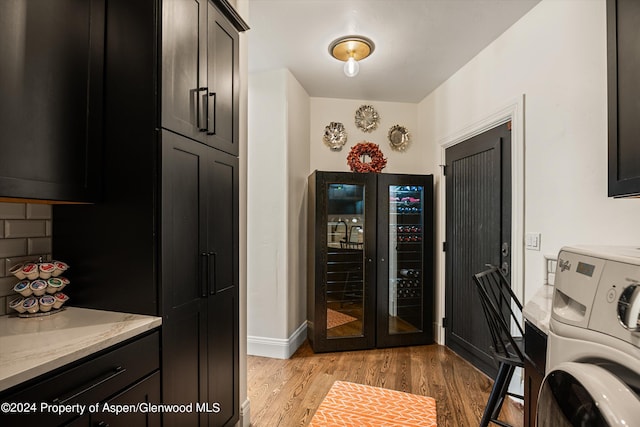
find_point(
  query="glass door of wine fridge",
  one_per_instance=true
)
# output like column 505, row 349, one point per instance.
column 405, row 260
column 342, row 303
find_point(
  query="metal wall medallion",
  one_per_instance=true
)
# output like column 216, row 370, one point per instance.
column 367, row 118
column 399, row 137
column 334, row 136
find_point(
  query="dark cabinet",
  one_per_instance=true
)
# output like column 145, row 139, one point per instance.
column 184, row 66
column 623, row 67
column 144, row 394
column 370, row 274
column 535, row 343
column 51, row 81
column 164, row 239
column 200, row 66
column 199, row 258
column 126, row 373
column 223, row 83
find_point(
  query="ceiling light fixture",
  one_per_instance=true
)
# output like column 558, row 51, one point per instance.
column 351, row 49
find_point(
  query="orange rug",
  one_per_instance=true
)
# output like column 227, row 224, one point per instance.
column 356, row 405
column 335, row 318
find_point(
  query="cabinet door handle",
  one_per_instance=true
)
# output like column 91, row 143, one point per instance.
column 206, row 108
column 213, row 116
column 212, row 273
column 204, row 274
column 94, row 383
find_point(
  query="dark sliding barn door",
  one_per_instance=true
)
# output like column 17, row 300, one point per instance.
column 478, row 232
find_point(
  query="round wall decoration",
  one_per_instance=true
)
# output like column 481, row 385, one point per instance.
column 359, row 153
column 334, row 136
column 367, row 118
column 399, row 137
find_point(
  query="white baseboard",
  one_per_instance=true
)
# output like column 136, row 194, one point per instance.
column 245, row 414
column 277, row 348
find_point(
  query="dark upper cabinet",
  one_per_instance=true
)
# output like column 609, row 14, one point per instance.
column 223, row 80
column 184, row 66
column 623, row 62
column 200, row 51
column 51, row 81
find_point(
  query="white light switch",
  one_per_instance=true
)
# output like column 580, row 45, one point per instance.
column 532, row 241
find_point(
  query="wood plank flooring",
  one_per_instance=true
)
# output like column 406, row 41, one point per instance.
column 287, row 392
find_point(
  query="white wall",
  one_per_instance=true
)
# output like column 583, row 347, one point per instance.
column 556, row 56
column 267, row 181
column 327, row 110
column 277, row 170
column 298, row 171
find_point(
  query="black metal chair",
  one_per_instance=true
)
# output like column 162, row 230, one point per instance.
column 503, row 312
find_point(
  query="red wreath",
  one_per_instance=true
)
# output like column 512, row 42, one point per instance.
column 355, row 159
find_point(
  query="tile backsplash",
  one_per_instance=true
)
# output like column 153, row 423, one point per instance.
column 25, row 235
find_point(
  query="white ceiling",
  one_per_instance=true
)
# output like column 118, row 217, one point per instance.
column 418, row 43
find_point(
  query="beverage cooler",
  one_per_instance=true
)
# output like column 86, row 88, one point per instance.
column 370, row 260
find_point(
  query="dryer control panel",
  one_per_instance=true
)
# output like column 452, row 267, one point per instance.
column 576, row 284
column 616, row 308
column 598, row 288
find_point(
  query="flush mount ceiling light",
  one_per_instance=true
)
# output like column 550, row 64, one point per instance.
column 351, row 49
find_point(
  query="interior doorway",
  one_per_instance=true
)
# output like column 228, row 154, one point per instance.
column 478, row 232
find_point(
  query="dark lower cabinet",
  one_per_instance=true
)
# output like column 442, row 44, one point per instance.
column 51, row 86
column 370, row 274
column 623, row 67
column 199, row 260
column 145, row 395
column 535, row 343
column 135, row 406
column 128, row 373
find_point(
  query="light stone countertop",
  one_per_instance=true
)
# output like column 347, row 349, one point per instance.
column 33, row 346
column 538, row 309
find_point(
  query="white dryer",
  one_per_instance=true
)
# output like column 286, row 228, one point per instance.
column 593, row 349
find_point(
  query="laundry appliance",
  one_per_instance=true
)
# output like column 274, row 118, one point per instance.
column 593, row 351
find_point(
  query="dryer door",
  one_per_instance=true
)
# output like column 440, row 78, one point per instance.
column 581, row 394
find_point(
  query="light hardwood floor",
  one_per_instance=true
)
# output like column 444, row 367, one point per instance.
column 288, row 392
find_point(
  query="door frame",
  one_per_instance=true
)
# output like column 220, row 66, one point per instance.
column 514, row 112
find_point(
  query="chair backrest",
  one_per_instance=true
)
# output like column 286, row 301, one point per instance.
column 502, row 309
